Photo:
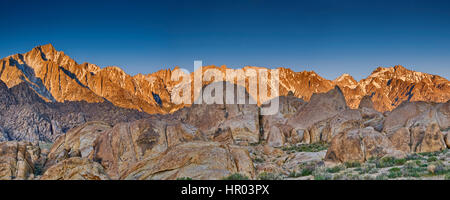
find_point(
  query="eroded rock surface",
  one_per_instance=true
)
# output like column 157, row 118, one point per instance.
column 75, row 169
column 17, row 160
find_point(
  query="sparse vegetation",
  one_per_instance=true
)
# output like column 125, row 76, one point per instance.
column 236, row 176
column 388, row 162
column 315, row 147
column 432, row 159
column 259, row 160
column 184, row 179
column 321, row 174
column 269, row 176
column 352, row 164
column 394, row 172
column 334, row 169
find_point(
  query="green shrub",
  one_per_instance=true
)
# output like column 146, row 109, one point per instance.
column 259, row 160
column 413, row 169
column 294, row 174
column 352, row 164
column 307, row 169
column 322, row 176
column 185, row 178
column 385, row 162
column 395, row 172
column 395, row 169
column 334, row 169
column 38, row 169
column 381, row 177
column 432, row 159
column 306, row 172
column 447, row 176
column 414, row 157
column 236, row 176
column 269, row 176
column 400, row 161
column 315, row 147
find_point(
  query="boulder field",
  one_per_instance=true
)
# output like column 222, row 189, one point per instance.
column 216, row 141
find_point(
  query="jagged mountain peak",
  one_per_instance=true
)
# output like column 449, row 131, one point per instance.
column 345, row 80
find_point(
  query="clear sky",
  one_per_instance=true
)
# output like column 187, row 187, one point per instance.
column 330, row 37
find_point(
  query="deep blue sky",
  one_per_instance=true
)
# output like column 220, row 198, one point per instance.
column 329, row 37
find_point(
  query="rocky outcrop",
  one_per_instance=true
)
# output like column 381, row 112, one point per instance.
column 161, row 148
column 128, row 143
column 238, row 122
column 75, row 169
column 413, row 127
column 17, row 160
column 427, row 138
column 198, row 160
column 366, row 102
column 447, row 139
column 321, row 107
column 359, row 145
column 418, row 126
column 77, row 142
column 274, row 127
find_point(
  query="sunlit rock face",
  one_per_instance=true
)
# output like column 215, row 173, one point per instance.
column 57, row 77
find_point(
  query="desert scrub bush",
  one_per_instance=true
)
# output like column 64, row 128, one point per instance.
column 413, row 169
column 269, row 176
column 395, row 172
column 368, row 177
column 389, row 162
column 184, row 179
column 351, row 176
column 38, row 169
column 385, row 162
column 306, row 172
column 400, row 161
column 414, row 157
column 447, row 176
column 314, row 147
column 382, row 176
column 294, row 174
column 307, row 169
column 335, row 169
column 432, row 159
column 236, row 176
column 367, row 168
column 352, row 164
column 338, row 176
column 436, row 153
column 259, row 160
column 322, row 175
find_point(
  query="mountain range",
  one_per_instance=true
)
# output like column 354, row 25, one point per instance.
column 56, row 77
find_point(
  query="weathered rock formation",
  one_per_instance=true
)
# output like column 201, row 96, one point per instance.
column 17, row 160
column 75, row 169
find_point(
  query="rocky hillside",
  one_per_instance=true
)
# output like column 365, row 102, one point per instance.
column 58, row 78
column 26, row 116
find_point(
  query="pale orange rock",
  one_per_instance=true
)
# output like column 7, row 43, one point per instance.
column 57, row 77
column 75, row 169
column 17, row 160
